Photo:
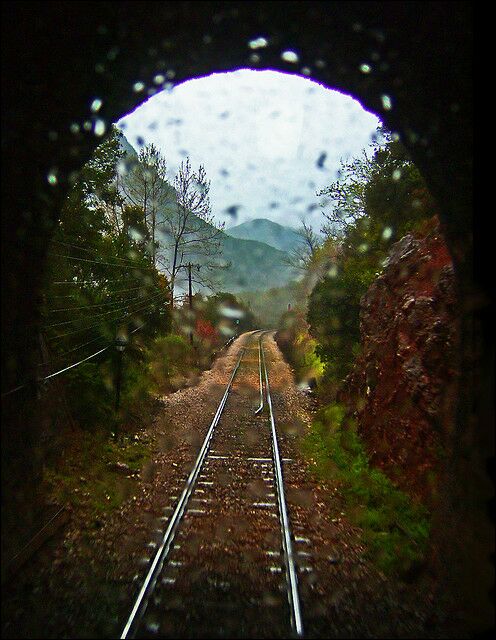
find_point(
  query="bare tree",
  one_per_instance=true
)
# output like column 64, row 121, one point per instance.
column 302, row 255
column 146, row 187
column 192, row 234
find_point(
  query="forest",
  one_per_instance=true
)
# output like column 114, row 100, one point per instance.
column 123, row 322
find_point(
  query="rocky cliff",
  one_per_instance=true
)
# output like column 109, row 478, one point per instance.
column 403, row 388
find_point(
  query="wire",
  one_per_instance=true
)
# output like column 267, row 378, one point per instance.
column 111, row 264
column 73, row 295
column 100, row 304
column 62, row 335
column 106, row 313
column 71, row 366
column 78, row 282
column 21, row 386
column 85, row 344
column 90, row 251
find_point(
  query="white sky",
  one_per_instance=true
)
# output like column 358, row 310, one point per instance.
column 260, row 135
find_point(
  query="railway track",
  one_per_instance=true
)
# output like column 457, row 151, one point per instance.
column 225, row 565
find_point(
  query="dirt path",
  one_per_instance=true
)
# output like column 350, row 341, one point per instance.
column 221, row 559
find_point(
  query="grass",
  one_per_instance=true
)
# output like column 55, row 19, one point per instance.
column 395, row 528
column 88, row 475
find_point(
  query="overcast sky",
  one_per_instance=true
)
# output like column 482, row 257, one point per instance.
column 268, row 140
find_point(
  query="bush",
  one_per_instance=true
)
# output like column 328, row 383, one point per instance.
column 170, row 356
column 395, row 529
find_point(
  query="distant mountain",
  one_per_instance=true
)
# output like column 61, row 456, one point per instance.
column 263, row 230
column 254, row 266
column 250, row 264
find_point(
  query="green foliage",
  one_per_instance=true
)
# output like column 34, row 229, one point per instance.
column 271, row 304
column 376, row 201
column 169, row 357
column 96, row 471
column 395, row 529
column 100, row 281
column 90, row 390
column 299, row 349
column 227, row 314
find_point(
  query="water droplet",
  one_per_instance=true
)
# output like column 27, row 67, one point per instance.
column 52, row 177
column 138, row 86
column 112, row 54
column 386, row 102
column 159, row 79
column 254, row 58
column 74, row 128
column 258, row 43
column 290, row 56
column 396, row 174
column 306, row 71
column 332, row 271
column 365, row 68
column 96, row 105
column 387, row 233
column 100, row 127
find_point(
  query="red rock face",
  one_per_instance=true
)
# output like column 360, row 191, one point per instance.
column 403, row 388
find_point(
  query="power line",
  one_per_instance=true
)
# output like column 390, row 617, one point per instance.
column 74, row 295
column 91, row 251
column 62, row 335
column 106, row 313
column 100, row 304
column 110, row 264
column 78, row 282
column 71, row 366
column 85, row 344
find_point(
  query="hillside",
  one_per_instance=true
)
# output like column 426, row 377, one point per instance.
column 267, row 231
column 248, row 263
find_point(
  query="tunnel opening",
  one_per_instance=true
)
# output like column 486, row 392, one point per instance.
column 53, row 180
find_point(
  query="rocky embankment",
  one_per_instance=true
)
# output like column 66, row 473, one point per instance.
column 403, row 388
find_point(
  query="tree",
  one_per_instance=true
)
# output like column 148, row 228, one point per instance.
column 146, row 187
column 191, row 233
column 385, row 187
column 99, row 280
column 377, row 200
column 302, row 255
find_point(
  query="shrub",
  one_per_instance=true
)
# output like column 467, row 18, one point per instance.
column 395, row 529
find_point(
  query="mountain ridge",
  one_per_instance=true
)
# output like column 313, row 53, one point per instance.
column 267, row 231
column 253, row 264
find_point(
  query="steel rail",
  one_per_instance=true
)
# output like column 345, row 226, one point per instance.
column 164, row 548
column 291, row 573
column 261, row 405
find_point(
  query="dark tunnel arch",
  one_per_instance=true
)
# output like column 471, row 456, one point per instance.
column 60, row 56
